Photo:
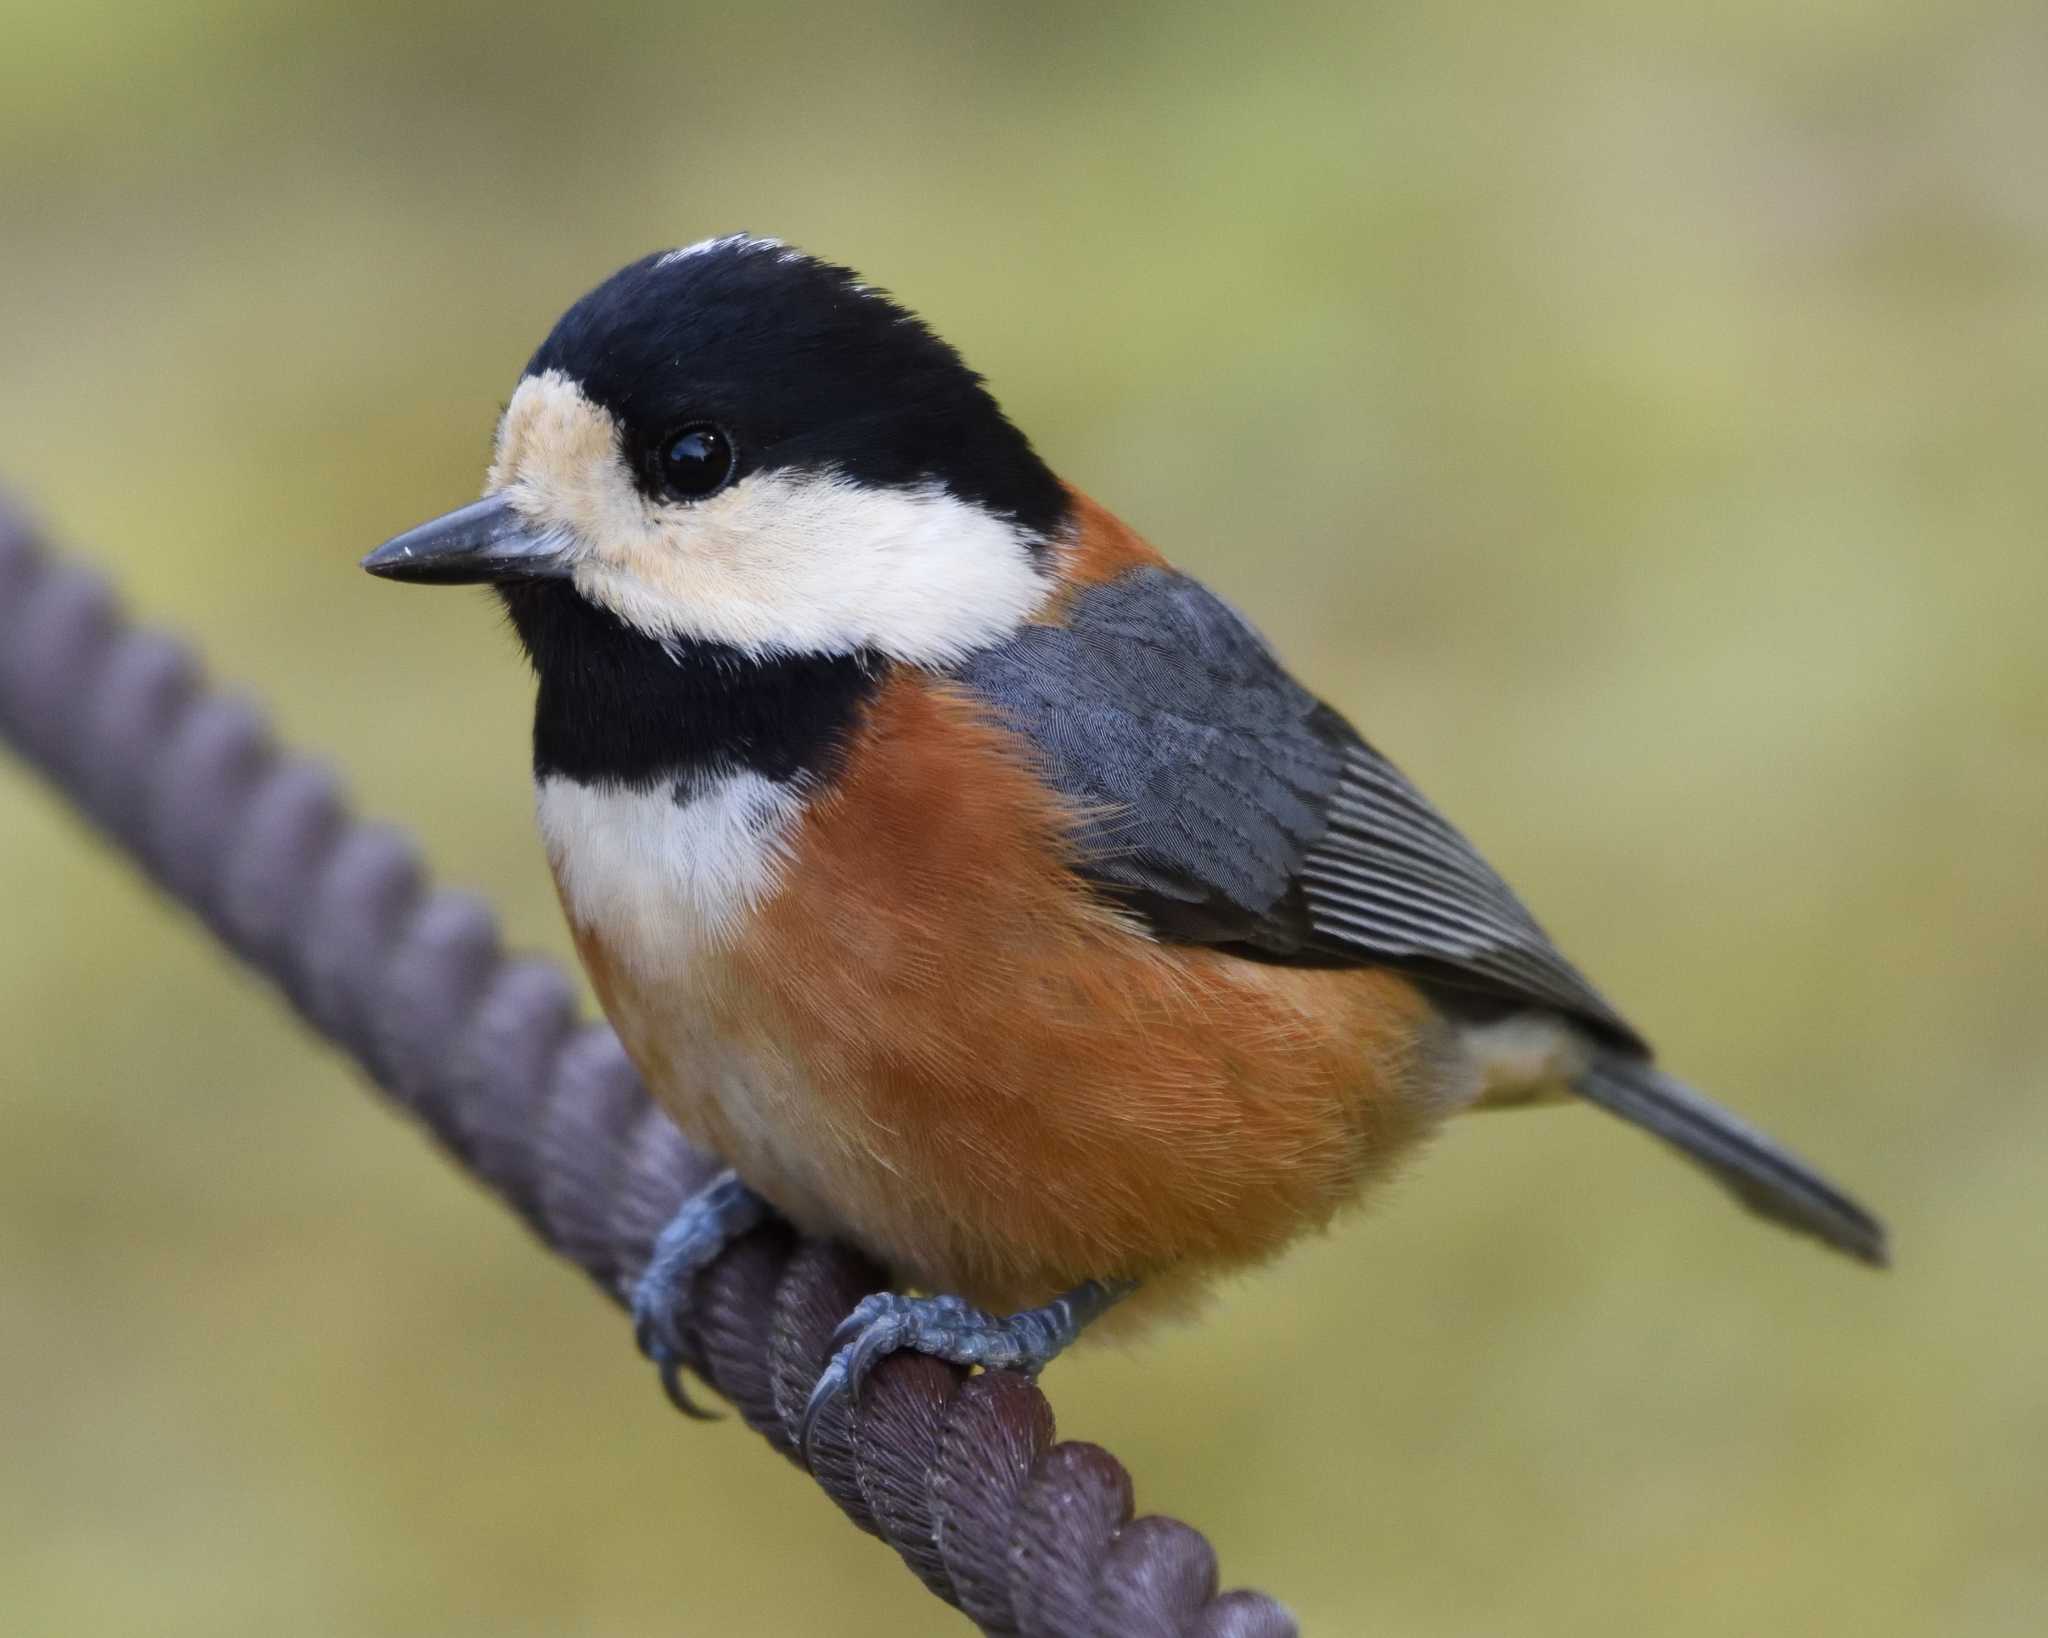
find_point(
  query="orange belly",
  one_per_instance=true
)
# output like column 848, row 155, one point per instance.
column 930, row 1039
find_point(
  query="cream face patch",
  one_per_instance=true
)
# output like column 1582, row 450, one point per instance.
column 781, row 562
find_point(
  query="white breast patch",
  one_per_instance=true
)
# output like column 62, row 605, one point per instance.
column 663, row 876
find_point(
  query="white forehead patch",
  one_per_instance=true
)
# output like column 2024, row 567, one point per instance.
column 796, row 562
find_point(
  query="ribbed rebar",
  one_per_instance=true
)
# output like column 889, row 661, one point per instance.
column 961, row 1475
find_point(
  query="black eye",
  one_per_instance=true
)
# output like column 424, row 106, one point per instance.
column 694, row 461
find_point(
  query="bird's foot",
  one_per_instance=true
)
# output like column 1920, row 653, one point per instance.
column 705, row 1224
column 952, row 1329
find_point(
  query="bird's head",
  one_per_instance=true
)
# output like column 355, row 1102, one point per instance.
column 742, row 447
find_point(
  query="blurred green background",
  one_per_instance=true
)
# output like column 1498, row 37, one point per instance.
column 1635, row 422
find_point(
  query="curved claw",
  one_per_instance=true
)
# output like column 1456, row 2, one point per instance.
column 948, row 1328
column 706, row 1223
column 875, row 1329
column 835, row 1381
column 671, row 1374
column 832, row 1382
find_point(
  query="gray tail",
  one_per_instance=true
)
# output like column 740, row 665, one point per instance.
column 1769, row 1180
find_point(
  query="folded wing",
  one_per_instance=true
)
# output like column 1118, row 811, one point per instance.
column 1227, row 805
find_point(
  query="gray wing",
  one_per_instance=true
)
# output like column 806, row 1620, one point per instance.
column 1227, row 805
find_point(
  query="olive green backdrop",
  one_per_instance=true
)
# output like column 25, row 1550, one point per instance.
column 1635, row 421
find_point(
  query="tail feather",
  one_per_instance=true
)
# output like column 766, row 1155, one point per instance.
column 1766, row 1178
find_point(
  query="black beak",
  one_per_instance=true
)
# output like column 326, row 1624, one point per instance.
column 475, row 544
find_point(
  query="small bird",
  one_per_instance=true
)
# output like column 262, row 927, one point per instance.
column 982, row 888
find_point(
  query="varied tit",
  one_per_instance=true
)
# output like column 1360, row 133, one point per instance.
column 979, row 886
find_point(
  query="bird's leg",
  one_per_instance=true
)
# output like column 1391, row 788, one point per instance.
column 950, row 1328
column 705, row 1224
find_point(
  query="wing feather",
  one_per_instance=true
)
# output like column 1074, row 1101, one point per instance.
column 1228, row 805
